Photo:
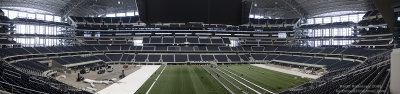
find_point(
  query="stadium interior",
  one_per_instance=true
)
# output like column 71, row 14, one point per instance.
column 199, row 46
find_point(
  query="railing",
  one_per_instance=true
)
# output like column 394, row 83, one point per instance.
column 14, row 88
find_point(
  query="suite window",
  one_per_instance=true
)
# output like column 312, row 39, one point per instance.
column 49, row 18
column 130, row 14
column 360, row 17
column 22, row 15
column 327, row 20
column 326, row 32
column 57, row 19
column 234, row 43
column 136, row 13
column 121, row 14
column 282, row 35
column 31, row 16
column 5, row 12
column 39, row 17
column 318, row 20
column 310, row 21
column 344, row 18
column 353, row 18
column 137, row 42
column 12, row 14
column 335, row 19
column 110, row 15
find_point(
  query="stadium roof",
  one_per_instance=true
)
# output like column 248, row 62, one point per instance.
column 266, row 8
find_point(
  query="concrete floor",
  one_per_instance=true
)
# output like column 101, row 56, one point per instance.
column 71, row 78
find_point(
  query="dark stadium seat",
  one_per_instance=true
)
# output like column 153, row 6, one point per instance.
column 196, row 58
column 168, row 40
column 212, row 48
column 161, row 48
column 254, row 48
column 187, row 48
column 205, row 41
column 103, row 57
column 148, row 48
column 207, row 58
column 43, row 50
column 234, row 58
column 270, row 57
column 181, row 58
column 244, row 58
column 258, row 56
column 180, row 40
column 117, row 48
column 225, row 48
column 156, row 40
column 173, row 48
column 221, row 58
column 114, row 57
column 140, row 58
column 193, row 40
column 31, row 65
column 168, row 58
column 154, row 58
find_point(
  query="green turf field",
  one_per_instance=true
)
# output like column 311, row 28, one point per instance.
column 271, row 80
column 143, row 89
column 183, row 79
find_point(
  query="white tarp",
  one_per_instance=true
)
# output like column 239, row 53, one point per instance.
column 131, row 83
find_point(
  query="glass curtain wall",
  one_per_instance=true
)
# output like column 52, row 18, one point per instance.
column 323, row 34
column 38, row 29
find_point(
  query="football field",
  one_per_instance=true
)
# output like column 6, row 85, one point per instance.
column 193, row 79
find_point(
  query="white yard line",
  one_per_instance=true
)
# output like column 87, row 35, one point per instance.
column 131, row 83
column 287, row 71
column 219, row 81
column 156, row 80
column 239, row 82
column 248, row 81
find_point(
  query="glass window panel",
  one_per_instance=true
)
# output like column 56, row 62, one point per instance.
column 138, row 42
column 49, row 17
column 335, row 19
column 110, row 15
column 327, row 20
column 42, row 30
column 318, row 20
column 136, row 13
column 39, row 16
column 12, row 14
column 310, row 21
column 360, row 17
column 251, row 16
column 353, row 18
column 31, row 16
column 326, row 32
column 282, row 35
column 57, row 18
column 121, row 14
column 344, row 18
column 5, row 12
column 130, row 14
column 22, row 15
column 31, row 29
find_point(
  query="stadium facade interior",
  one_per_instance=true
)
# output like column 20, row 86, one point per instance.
column 199, row 46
